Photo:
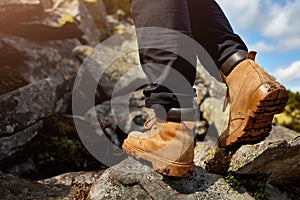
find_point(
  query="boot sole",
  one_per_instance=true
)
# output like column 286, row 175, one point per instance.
column 159, row 164
column 269, row 99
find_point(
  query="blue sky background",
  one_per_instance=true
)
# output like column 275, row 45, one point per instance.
column 272, row 28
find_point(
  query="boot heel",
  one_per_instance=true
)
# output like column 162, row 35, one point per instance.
column 269, row 99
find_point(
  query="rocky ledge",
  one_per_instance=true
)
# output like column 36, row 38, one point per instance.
column 268, row 170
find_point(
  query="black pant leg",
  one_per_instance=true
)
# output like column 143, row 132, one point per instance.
column 212, row 30
column 159, row 64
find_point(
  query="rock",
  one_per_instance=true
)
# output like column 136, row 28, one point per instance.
column 120, row 116
column 50, row 61
column 281, row 133
column 16, row 188
column 38, row 82
column 105, row 120
column 211, row 109
column 132, row 180
column 119, row 23
column 277, row 161
column 112, row 74
column 34, row 61
column 56, row 149
column 37, row 67
column 98, row 143
column 201, row 90
column 210, row 99
column 21, row 168
column 66, row 186
column 41, row 20
column 213, row 159
column 11, row 144
column 276, row 194
column 22, row 109
column 81, row 180
column 293, row 190
column 27, row 105
column 83, row 51
column 201, row 129
column 212, row 80
column 73, row 178
column 98, row 13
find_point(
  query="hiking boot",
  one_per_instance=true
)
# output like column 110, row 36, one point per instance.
column 255, row 97
column 168, row 144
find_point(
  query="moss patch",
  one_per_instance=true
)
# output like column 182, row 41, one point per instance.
column 257, row 190
column 82, row 192
column 66, row 18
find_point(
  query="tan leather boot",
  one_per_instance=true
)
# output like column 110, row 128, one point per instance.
column 168, row 145
column 255, row 97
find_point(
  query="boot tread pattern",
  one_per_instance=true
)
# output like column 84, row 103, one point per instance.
column 259, row 123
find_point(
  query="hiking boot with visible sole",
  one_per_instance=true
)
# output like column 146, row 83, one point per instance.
column 255, row 97
column 168, row 145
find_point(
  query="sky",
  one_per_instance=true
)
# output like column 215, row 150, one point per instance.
column 272, row 28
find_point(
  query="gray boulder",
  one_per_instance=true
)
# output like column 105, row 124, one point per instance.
column 120, row 116
column 211, row 109
column 73, row 178
column 42, row 20
column 15, row 188
column 24, row 108
column 33, row 61
column 37, row 83
column 11, row 144
column 108, row 71
column 97, row 11
column 29, row 104
column 212, row 80
column 132, row 180
column 37, row 67
column 68, row 186
column 276, row 161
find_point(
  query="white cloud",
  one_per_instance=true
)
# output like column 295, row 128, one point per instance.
column 289, row 43
column 290, row 74
column 277, row 23
column 241, row 13
column 262, row 46
column 281, row 21
column 284, row 44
